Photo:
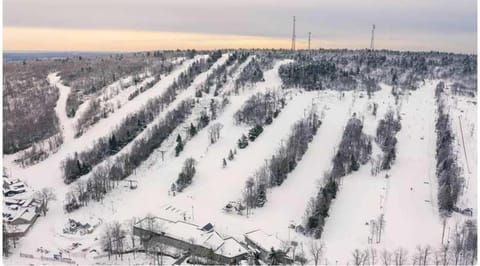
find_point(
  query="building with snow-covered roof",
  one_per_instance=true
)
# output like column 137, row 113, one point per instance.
column 25, row 216
column 13, row 186
column 264, row 243
column 200, row 241
column 19, row 222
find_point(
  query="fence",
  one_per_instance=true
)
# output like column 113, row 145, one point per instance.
column 64, row 260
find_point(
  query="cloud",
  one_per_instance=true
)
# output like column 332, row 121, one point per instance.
column 329, row 20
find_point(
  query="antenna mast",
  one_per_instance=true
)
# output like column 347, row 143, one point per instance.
column 372, row 41
column 293, row 35
column 309, row 38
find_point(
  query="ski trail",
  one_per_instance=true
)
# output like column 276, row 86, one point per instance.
column 301, row 184
column 188, row 93
column 65, row 122
column 411, row 212
column 52, row 164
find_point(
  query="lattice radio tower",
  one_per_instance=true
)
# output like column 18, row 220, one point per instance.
column 309, row 39
column 372, row 41
column 293, row 35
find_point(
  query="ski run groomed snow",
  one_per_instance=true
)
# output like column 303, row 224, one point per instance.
column 406, row 195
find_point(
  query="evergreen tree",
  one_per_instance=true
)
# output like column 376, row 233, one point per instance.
column 255, row 132
column 193, row 130
column 113, row 144
column 243, row 142
column 179, row 147
column 204, row 120
column 213, row 109
column 224, row 163
column 230, row 155
column 354, row 164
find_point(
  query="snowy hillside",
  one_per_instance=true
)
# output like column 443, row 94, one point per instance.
column 332, row 157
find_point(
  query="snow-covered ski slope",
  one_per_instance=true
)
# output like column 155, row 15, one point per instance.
column 406, row 198
column 406, row 195
column 49, row 171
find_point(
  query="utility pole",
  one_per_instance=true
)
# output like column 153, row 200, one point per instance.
column 309, row 39
column 293, row 35
column 372, row 41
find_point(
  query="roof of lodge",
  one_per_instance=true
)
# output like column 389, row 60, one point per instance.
column 264, row 240
column 193, row 234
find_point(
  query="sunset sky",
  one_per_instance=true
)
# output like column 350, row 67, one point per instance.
column 134, row 25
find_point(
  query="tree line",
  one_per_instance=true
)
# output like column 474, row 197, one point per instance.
column 252, row 73
column 105, row 177
column 448, row 172
column 386, row 139
column 354, row 150
column 461, row 249
column 260, row 108
column 87, row 76
column 349, row 70
column 81, row 163
column 283, row 162
column 217, row 78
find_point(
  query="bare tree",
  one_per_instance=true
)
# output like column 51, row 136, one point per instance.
column 118, row 237
column 45, row 196
column 107, row 240
column 373, row 256
column 161, row 248
column 380, row 226
column 365, row 257
column 316, row 250
column 445, row 258
column 386, row 257
column 423, row 254
column 400, row 256
column 437, row 257
column 214, row 132
column 130, row 230
column 359, row 257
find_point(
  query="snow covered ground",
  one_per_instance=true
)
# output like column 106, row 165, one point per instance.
column 65, row 122
column 407, row 198
column 50, row 169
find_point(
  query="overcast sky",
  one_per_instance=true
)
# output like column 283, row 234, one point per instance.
column 447, row 25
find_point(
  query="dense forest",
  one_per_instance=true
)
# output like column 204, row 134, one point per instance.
column 349, row 70
column 28, row 105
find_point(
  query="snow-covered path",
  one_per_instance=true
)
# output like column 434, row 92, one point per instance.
column 65, row 123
